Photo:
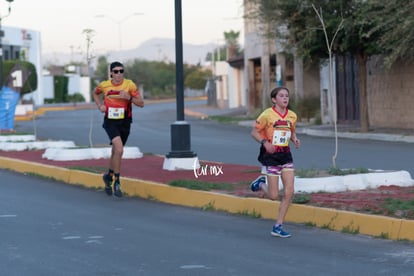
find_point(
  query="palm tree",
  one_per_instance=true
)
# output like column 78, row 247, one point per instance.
column 232, row 43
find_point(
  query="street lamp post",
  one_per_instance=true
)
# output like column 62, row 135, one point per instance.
column 119, row 23
column 1, row 44
column 181, row 156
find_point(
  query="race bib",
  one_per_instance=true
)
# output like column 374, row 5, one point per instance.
column 116, row 113
column 281, row 138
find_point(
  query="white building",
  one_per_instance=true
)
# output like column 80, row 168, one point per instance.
column 24, row 44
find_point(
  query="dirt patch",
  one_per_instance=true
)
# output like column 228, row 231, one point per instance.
column 391, row 201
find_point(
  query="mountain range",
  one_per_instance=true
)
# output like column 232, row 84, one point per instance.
column 155, row 49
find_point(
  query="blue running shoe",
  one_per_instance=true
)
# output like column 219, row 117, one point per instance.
column 279, row 232
column 255, row 185
column 117, row 189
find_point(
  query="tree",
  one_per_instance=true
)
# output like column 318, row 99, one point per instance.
column 101, row 72
column 229, row 50
column 297, row 26
column 231, row 39
column 197, row 79
column 395, row 20
column 28, row 80
column 329, row 45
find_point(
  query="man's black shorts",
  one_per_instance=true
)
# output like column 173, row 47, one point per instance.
column 116, row 128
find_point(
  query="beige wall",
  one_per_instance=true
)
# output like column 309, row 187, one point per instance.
column 311, row 81
column 390, row 95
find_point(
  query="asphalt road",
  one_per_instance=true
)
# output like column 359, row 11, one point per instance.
column 50, row 228
column 213, row 141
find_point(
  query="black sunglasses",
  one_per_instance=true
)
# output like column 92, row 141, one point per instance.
column 118, row 71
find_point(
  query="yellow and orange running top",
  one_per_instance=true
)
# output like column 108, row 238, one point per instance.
column 275, row 127
column 116, row 107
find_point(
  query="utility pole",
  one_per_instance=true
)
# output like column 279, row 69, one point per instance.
column 1, row 44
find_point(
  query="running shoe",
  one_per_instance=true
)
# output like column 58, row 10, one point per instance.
column 107, row 179
column 255, row 185
column 279, row 232
column 117, row 189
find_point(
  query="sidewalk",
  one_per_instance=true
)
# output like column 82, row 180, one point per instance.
column 344, row 131
column 144, row 177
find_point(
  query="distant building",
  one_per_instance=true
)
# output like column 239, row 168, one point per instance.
column 24, row 44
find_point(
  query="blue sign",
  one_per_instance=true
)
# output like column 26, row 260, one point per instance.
column 10, row 94
column 9, row 99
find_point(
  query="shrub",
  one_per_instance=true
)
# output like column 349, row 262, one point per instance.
column 308, row 108
column 76, row 98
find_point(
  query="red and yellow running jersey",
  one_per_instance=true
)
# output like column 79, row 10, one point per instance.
column 112, row 99
column 275, row 127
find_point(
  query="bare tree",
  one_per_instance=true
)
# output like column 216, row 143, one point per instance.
column 329, row 45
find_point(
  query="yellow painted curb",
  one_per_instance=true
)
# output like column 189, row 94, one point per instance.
column 41, row 111
column 349, row 222
column 17, row 165
column 195, row 113
column 44, row 109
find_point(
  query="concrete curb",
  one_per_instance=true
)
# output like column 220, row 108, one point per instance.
column 378, row 226
column 352, row 182
column 358, row 135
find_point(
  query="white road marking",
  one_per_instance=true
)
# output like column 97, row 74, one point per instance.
column 95, row 237
column 71, row 237
column 194, row 267
column 8, row 216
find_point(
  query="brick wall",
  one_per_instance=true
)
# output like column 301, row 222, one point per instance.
column 391, row 95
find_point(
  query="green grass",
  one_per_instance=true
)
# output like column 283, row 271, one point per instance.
column 392, row 206
column 312, row 173
column 232, row 119
column 252, row 214
column 89, row 169
column 310, row 224
column 152, row 197
column 40, row 175
column 301, row 198
column 201, row 185
column 337, row 171
column 307, row 173
column 383, row 235
column 350, row 230
column 209, row 207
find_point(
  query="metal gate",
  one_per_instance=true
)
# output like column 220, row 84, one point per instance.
column 347, row 91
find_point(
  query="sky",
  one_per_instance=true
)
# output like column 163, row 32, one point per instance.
column 121, row 24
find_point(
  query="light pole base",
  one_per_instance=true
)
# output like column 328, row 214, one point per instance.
column 180, row 157
column 180, row 141
column 174, row 164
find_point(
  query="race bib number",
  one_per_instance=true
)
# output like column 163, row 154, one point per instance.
column 281, row 138
column 116, row 113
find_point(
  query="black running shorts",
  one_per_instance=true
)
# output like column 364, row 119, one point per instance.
column 116, row 128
